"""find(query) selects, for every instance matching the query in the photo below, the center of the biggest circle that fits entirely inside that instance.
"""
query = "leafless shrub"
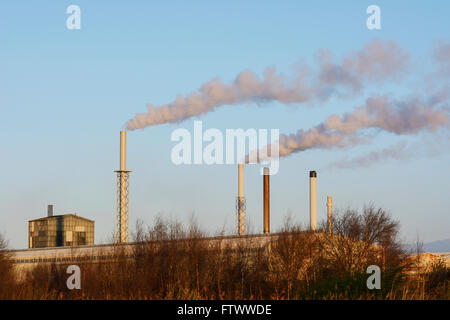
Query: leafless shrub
(171, 261)
(6, 270)
(359, 240)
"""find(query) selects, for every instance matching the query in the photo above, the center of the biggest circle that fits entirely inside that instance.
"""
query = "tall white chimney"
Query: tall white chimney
(312, 201)
(122, 230)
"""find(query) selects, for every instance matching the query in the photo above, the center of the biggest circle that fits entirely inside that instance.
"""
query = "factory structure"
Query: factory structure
(60, 231)
(240, 203)
(69, 231)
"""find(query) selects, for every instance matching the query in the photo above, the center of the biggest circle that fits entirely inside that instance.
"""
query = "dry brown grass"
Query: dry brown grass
(172, 262)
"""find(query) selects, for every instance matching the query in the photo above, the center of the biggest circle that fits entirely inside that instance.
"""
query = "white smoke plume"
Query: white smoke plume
(406, 117)
(441, 55)
(377, 61)
(429, 145)
(398, 151)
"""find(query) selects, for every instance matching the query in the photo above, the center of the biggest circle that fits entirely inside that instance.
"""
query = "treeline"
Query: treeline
(173, 262)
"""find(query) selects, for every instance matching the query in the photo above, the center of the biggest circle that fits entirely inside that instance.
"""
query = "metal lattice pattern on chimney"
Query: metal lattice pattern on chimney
(122, 234)
(240, 215)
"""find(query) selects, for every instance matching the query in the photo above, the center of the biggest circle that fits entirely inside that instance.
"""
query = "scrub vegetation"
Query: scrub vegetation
(171, 261)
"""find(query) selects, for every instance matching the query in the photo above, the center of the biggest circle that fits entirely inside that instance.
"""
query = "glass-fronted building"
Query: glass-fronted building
(60, 231)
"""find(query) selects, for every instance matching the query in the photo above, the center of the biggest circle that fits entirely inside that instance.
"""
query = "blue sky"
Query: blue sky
(66, 94)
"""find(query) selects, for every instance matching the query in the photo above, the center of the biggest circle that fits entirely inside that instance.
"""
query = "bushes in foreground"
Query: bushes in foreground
(172, 262)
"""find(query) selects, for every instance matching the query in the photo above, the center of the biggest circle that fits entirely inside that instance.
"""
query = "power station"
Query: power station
(72, 230)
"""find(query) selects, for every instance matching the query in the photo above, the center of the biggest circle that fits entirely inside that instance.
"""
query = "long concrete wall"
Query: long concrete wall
(29, 258)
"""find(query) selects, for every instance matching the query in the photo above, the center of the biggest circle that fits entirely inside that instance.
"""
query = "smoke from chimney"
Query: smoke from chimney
(376, 62)
(397, 151)
(406, 117)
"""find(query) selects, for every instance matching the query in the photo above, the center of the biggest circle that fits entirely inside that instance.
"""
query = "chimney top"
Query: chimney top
(50, 210)
(312, 174)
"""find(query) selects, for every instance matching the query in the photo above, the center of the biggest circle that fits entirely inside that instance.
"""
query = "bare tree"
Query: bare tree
(6, 271)
(362, 239)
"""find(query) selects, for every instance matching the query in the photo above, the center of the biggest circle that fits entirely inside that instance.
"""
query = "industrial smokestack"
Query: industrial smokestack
(330, 213)
(123, 150)
(312, 201)
(50, 210)
(122, 232)
(240, 201)
(240, 180)
(266, 191)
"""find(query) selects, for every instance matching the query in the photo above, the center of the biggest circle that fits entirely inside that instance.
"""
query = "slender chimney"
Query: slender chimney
(123, 150)
(240, 180)
(312, 201)
(240, 201)
(122, 232)
(330, 213)
(266, 191)
(50, 210)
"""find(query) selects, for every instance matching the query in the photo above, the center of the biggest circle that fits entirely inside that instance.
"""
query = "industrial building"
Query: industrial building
(70, 238)
(60, 231)
(72, 230)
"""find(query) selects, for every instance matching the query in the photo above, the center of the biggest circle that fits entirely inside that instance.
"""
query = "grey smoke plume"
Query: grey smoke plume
(406, 117)
(397, 151)
(377, 61)
(441, 54)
